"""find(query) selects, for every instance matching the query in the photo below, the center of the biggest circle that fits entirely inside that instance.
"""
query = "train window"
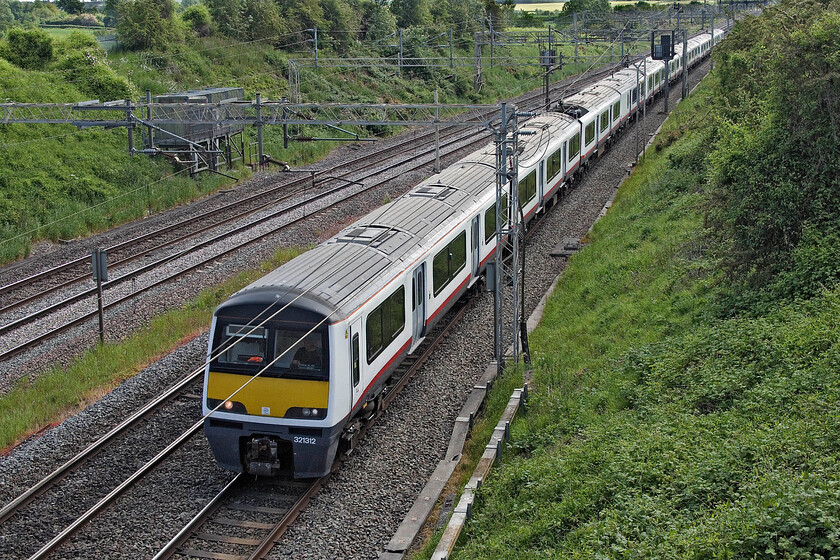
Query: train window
(385, 323)
(555, 163)
(449, 262)
(617, 110)
(490, 219)
(373, 329)
(574, 146)
(244, 344)
(605, 120)
(589, 133)
(528, 186)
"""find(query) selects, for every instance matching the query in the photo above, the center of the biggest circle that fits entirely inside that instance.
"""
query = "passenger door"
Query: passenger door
(355, 362)
(474, 243)
(418, 305)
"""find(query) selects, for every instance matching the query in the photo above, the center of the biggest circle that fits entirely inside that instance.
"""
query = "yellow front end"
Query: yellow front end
(267, 396)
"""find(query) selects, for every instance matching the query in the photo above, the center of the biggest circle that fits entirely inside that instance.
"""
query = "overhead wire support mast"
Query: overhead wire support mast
(507, 263)
(257, 113)
(119, 114)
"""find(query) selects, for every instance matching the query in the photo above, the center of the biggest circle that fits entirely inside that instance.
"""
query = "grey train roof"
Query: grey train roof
(348, 269)
(543, 129)
(593, 97)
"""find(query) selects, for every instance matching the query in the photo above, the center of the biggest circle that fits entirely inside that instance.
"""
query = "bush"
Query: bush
(776, 170)
(85, 20)
(28, 48)
(85, 63)
(198, 18)
(148, 24)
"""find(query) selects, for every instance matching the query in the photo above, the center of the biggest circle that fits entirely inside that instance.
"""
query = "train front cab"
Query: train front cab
(282, 421)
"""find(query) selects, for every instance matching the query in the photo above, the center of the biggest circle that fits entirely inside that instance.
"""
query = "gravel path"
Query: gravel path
(359, 509)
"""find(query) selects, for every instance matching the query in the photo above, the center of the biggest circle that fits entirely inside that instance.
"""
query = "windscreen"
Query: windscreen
(283, 349)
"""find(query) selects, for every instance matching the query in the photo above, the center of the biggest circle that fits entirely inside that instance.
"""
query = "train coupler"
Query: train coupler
(262, 458)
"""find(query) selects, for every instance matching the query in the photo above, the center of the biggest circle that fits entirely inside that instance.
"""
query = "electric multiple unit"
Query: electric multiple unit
(297, 356)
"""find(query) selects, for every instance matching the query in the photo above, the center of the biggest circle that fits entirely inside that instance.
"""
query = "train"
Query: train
(297, 357)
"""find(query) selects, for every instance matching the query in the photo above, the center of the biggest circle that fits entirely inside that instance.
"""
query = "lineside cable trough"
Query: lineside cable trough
(425, 503)
(492, 454)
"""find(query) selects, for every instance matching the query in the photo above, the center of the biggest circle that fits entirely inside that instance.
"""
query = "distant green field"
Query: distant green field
(557, 6)
(62, 32)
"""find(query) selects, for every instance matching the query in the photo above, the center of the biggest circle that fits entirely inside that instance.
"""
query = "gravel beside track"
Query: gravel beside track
(357, 512)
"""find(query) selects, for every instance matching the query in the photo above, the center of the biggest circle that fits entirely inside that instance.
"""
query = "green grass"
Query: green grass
(655, 429)
(63, 32)
(52, 395)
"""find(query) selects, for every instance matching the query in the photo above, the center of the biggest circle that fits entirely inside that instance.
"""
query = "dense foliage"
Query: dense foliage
(687, 384)
(14, 13)
(60, 183)
(148, 25)
(775, 174)
(28, 48)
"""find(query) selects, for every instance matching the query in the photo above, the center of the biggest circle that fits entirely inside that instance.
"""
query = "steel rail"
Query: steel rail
(92, 450)
(90, 292)
(175, 545)
(171, 548)
(115, 493)
(368, 162)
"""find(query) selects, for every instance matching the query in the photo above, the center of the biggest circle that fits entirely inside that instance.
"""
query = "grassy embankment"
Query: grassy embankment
(681, 408)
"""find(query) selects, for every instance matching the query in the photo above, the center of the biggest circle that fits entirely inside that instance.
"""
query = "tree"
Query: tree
(600, 6)
(377, 21)
(28, 48)
(112, 12)
(198, 18)
(71, 6)
(262, 19)
(148, 24)
(228, 15)
(340, 19)
(7, 18)
(411, 12)
(300, 15)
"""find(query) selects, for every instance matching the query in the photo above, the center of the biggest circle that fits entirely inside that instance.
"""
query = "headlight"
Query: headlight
(306, 412)
(226, 406)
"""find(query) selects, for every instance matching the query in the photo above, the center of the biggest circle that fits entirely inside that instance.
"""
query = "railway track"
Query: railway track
(76, 525)
(244, 506)
(293, 212)
(46, 302)
(244, 520)
(36, 297)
